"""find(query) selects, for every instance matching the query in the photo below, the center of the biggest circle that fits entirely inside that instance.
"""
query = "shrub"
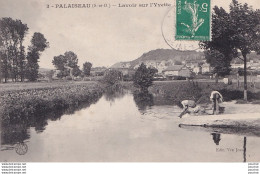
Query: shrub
(143, 77)
(112, 77)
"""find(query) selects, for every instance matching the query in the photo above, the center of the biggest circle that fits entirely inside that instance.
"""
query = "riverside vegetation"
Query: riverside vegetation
(26, 101)
(173, 92)
(29, 102)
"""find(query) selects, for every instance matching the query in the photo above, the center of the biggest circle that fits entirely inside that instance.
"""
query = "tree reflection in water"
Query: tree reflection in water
(13, 137)
(15, 132)
(216, 139)
(114, 92)
(143, 100)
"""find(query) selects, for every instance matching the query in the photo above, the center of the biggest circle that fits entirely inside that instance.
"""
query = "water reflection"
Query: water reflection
(143, 100)
(216, 138)
(13, 137)
(114, 92)
(244, 152)
(15, 132)
(121, 132)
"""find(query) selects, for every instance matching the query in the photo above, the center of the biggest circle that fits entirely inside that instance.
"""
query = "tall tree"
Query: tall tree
(38, 45)
(12, 33)
(246, 23)
(236, 31)
(86, 68)
(6, 45)
(22, 30)
(219, 62)
(71, 59)
(13, 50)
(66, 63)
(4, 66)
(76, 71)
(59, 62)
(1, 67)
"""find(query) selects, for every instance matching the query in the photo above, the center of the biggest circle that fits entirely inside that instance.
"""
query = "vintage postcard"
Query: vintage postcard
(129, 81)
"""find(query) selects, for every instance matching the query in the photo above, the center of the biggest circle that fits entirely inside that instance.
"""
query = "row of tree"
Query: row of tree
(15, 62)
(67, 64)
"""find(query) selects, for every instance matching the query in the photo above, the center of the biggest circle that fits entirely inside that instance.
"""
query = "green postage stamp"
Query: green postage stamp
(193, 20)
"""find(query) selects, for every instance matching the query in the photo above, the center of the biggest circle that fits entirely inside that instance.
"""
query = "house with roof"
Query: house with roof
(176, 71)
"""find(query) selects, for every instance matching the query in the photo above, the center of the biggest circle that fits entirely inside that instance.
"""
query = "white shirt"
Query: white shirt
(216, 92)
(189, 103)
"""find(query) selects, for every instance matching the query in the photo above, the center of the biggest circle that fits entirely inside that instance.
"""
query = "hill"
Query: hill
(163, 55)
(163, 58)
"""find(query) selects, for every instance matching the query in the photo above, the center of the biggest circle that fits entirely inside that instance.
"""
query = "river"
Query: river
(122, 128)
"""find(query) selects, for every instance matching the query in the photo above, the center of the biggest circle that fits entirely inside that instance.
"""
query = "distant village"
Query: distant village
(169, 69)
(170, 65)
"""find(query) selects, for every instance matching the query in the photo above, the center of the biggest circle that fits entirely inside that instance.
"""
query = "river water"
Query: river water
(122, 128)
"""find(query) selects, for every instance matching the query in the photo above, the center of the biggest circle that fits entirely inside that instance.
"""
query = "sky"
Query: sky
(102, 36)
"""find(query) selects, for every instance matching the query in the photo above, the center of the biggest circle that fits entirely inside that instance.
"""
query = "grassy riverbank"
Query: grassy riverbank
(25, 100)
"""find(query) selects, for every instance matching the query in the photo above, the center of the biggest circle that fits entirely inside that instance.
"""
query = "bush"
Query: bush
(143, 77)
(143, 100)
(112, 77)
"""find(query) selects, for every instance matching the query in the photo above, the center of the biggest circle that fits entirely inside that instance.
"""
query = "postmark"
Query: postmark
(193, 20)
(168, 28)
(185, 41)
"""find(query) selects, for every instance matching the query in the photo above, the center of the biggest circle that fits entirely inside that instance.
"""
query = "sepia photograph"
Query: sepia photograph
(130, 81)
